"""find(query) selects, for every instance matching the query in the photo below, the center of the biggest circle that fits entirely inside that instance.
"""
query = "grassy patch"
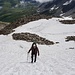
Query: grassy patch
(16, 13)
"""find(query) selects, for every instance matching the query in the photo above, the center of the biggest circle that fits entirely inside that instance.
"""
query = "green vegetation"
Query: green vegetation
(13, 2)
(13, 14)
(10, 13)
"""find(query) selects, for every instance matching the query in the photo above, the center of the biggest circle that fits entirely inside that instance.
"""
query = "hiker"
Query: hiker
(34, 50)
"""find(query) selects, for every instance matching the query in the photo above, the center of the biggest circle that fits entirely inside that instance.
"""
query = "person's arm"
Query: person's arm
(30, 50)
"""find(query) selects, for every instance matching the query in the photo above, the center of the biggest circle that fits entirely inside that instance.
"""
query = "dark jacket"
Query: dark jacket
(34, 50)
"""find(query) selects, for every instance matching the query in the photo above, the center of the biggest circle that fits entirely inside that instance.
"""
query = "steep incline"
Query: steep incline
(57, 59)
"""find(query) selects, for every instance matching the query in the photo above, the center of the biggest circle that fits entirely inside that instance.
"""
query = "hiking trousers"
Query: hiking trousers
(33, 58)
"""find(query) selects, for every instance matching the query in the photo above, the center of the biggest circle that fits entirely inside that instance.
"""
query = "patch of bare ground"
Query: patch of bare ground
(67, 21)
(70, 38)
(3, 24)
(31, 38)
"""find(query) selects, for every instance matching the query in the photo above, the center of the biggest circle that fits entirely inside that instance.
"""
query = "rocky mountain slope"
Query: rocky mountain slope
(58, 8)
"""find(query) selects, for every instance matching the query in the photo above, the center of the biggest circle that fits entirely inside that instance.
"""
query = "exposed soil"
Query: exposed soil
(3, 24)
(32, 38)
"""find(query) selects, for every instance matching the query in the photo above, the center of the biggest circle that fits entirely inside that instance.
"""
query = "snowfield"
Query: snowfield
(57, 59)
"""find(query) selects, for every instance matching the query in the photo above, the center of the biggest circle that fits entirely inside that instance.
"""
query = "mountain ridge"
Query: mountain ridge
(58, 8)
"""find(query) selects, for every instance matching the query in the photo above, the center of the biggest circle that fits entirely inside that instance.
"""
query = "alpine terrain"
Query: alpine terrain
(57, 58)
(58, 8)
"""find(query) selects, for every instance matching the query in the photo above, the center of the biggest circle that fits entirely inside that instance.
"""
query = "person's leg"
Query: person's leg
(32, 58)
(35, 58)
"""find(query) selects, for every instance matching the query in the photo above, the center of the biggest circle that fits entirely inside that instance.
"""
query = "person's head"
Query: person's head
(34, 45)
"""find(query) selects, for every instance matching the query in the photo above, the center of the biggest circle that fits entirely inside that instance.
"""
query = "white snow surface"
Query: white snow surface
(68, 2)
(57, 59)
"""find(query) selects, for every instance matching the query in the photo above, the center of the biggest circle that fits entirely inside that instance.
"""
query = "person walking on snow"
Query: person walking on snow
(34, 50)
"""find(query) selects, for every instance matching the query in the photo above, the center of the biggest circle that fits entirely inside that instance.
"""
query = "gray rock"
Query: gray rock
(32, 38)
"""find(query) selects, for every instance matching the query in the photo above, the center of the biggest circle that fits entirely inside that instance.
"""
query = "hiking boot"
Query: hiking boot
(31, 61)
(34, 61)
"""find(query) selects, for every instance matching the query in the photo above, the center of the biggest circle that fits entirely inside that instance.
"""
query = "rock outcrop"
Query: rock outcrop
(32, 38)
(67, 21)
(70, 38)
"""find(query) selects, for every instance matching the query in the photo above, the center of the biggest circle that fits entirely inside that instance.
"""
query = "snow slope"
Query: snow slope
(57, 59)
(68, 2)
